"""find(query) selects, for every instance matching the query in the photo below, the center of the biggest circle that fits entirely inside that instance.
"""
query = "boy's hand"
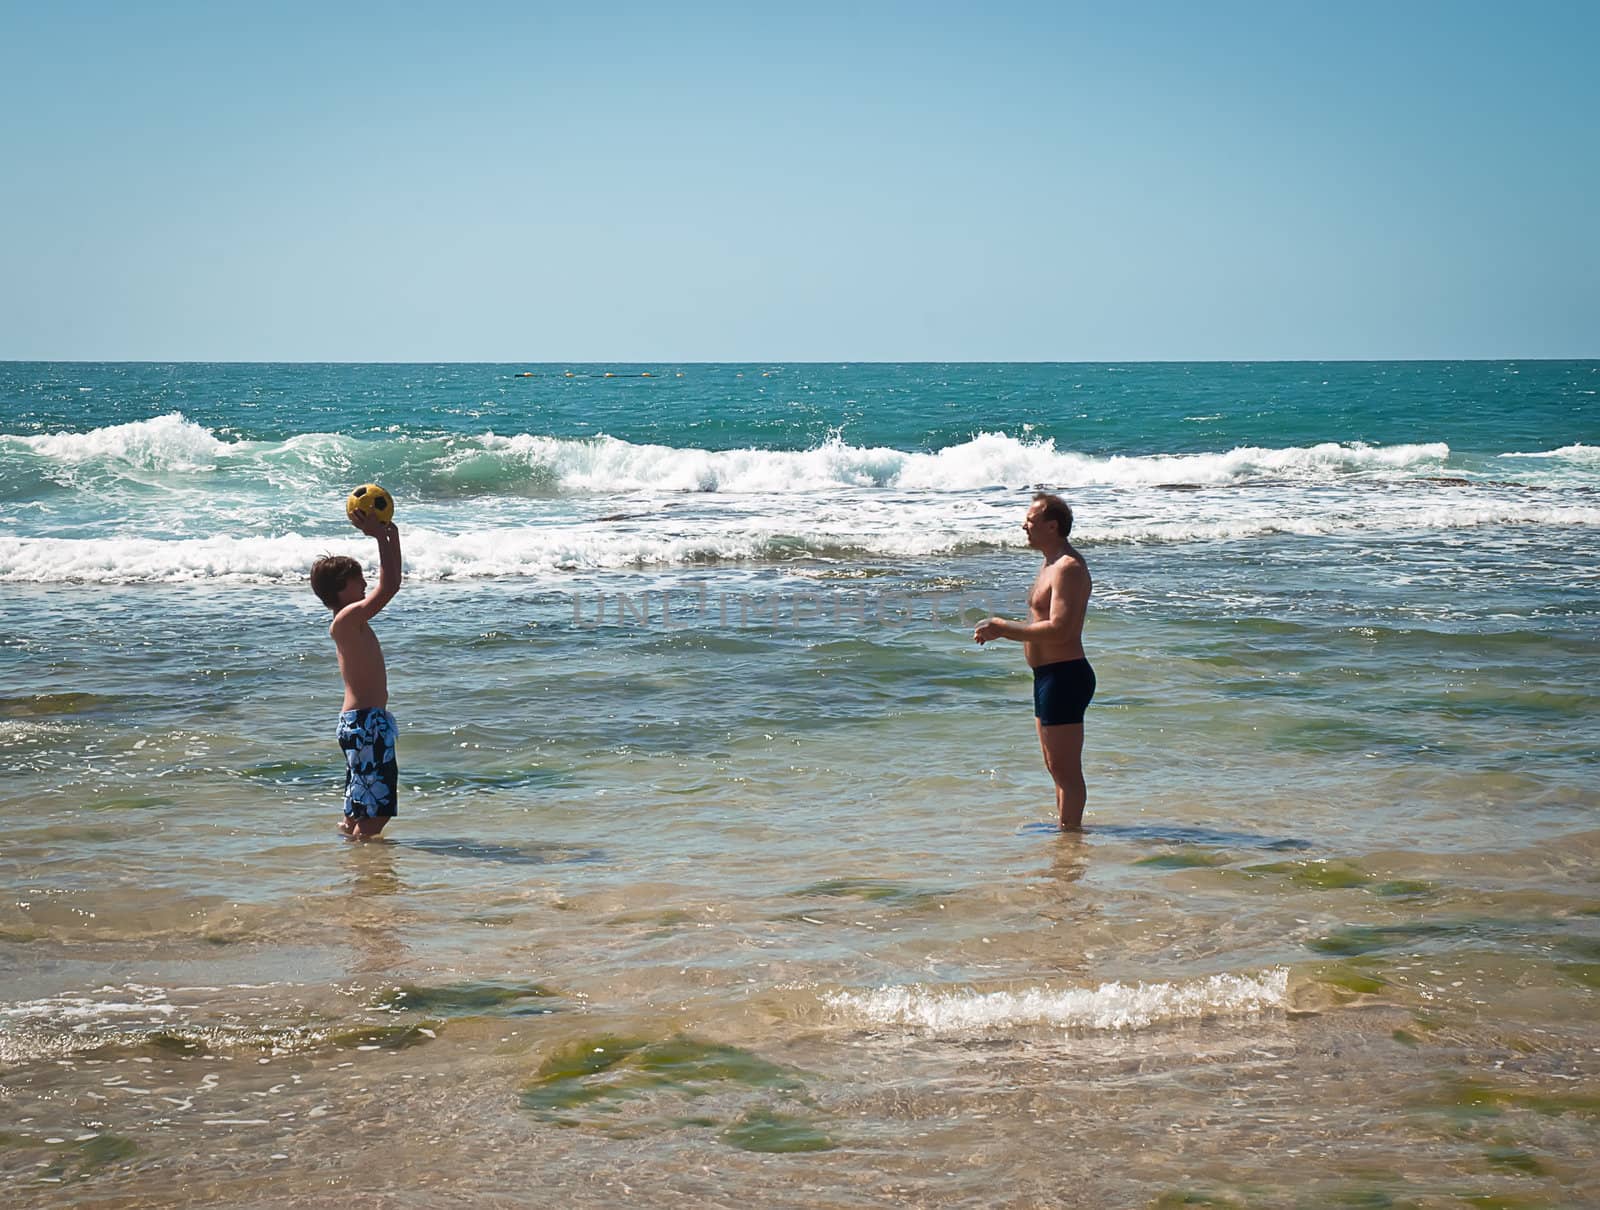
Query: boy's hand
(372, 527)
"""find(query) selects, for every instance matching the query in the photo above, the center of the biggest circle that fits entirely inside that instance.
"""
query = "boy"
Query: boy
(366, 728)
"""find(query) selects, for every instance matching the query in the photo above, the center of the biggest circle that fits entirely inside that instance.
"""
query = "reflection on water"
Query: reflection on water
(374, 909)
(1069, 861)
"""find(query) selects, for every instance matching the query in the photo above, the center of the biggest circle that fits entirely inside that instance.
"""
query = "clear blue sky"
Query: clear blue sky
(521, 182)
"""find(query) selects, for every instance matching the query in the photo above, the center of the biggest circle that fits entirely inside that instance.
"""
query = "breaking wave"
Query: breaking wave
(1111, 1006)
(173, 447)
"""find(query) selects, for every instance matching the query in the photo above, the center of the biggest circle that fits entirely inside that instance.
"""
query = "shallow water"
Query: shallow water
(762, 904)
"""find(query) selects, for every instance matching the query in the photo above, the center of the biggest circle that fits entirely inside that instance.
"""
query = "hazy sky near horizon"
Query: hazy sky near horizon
(522, 182)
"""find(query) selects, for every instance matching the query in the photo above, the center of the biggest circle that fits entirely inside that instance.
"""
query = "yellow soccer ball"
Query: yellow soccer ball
(371, 499)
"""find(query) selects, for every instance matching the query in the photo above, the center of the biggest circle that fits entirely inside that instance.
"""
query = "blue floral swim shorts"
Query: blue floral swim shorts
(372, 778)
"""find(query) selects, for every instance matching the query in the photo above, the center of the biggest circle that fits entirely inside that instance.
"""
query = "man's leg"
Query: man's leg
(1063, 757)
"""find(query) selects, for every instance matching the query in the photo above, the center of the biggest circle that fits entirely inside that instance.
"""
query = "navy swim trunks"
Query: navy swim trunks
(372, 775)
(1061, 692)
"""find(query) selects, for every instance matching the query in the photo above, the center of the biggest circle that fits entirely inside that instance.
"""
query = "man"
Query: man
(1052, 643)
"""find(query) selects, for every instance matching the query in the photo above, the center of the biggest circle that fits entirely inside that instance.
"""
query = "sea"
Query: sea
(724, 872)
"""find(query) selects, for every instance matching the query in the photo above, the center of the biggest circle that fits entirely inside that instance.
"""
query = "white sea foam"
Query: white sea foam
(103, 1004)
(64, 1025)
(966, 1013)
(840, 529)
(18, 730)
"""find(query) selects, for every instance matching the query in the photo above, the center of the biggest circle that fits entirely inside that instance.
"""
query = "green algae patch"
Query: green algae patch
(1346, 977)
(1317, 875)
(665, 919)
(128, 802)
(1403, 888)
(567, 1078)
(664, 923)
(588, 1057)
(388, 1037)
(1367, 939)
(601, 1075)
(871, 890)
(1367, 1199)
(1586, 974)
(1177, 1198)
(471, 1000)
(1466, 1099)
(1184, 859)
(1514, 1159)
(642, 1128)
(765, 1130)
(84, 1157)
(104, 1149)
(684, 1061)
(52, 705)
(1406, 1038)
(163, 1042)
(1364, 1197)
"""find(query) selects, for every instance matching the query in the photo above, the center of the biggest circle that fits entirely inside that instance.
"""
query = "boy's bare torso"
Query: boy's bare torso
(366, 680)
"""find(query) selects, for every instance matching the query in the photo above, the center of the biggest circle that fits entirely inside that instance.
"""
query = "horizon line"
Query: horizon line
(832, 361)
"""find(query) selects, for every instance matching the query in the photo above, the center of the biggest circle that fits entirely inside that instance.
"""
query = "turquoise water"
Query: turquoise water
(721, 846)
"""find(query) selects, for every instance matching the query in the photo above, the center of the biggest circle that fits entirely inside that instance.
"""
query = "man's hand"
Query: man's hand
(994, 628)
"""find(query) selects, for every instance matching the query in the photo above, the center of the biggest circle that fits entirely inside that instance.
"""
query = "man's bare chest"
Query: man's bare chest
(1039, 597)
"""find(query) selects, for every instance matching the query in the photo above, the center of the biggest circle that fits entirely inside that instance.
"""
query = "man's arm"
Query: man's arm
(1069, 598)
(388, 538)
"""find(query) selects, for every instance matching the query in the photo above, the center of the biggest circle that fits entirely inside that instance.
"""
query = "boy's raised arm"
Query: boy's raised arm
(388, 538)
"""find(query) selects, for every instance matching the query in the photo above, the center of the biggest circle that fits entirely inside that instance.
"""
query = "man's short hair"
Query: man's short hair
(1055, 509)
(329, 575)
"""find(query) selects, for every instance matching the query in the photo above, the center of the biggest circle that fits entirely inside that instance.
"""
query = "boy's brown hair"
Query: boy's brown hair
(328, 576)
